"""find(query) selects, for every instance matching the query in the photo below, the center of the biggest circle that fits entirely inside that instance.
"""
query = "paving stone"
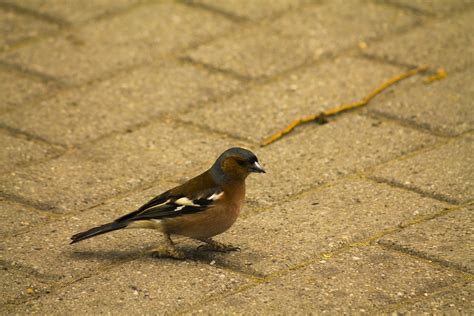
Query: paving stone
(18, 89)
(263, 110)
(15, 28)
(253, 9)
(445, 172)
(305, 225)
(16, 285)
(448, 239)
(17, 218)
(357, 281)
(457, 300)
(265, 247)
(51, 255)
(253, 52)
(437, 7)
(443, 106)
(18, 151)
(83, 178)
(440, 44)
(319, 221)
(74, 11)
(146, 286)
(89, 112)
(140, 35)
(300, 36)
(316, 154)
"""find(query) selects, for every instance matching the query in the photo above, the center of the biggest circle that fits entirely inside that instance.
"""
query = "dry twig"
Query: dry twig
(321, 117)
(439, 75)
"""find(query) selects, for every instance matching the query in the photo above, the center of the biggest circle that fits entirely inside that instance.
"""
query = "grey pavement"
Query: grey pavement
(105, 104)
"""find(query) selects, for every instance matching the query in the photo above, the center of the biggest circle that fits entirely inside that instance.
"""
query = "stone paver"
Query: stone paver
(264, 110)
(320, 221)
(360, 280)
(83, 178)
(321, 153)
(442, 106)
(73, 11)
(438, 7)
(65, 262)
(17, 218)
(18, 89)
(18, 151)
(299, 37)
(144, 285)
(15, 28)
(449, 239)
(138, 36)
(86, 113)
(253, 9)
(105, 104)
(446, 172)
(459, 300)
(17, 285)
(441, 44)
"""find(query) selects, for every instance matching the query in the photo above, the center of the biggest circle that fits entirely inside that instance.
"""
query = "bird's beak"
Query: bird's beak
(256, 168)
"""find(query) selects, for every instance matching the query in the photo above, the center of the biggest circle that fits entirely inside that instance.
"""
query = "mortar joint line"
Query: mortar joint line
(404, 7)
(216, 70)
(427, 258)
(32, 13)
(209, 8)
(375, 113)
(47, 79)
(31, 137)
(391, 308)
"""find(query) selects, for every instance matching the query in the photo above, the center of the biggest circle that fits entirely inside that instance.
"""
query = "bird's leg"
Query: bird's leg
(216, 246)
(168, 250)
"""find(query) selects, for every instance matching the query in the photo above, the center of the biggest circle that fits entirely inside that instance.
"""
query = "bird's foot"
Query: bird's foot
(167, 252)
(212, 245)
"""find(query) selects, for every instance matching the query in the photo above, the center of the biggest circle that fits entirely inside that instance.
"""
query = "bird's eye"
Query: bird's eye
(241, 163)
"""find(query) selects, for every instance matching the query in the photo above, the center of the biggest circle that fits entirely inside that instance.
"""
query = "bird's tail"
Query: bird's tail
(98, 231)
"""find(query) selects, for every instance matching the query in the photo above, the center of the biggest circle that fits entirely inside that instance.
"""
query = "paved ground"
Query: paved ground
(106, 103)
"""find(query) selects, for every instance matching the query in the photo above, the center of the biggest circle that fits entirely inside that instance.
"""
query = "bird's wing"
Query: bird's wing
(168, 205)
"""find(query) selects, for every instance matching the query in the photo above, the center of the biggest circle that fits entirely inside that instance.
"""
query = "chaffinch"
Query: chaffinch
(201, 208)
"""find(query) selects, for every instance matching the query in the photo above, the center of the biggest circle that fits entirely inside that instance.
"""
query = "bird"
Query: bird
(201, 208)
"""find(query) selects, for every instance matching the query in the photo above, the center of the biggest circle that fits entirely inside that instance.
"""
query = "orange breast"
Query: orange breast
(211, 222)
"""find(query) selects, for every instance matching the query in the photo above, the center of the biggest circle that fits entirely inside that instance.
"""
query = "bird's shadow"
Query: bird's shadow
(228, 261)
(109, 255)
(104, 255)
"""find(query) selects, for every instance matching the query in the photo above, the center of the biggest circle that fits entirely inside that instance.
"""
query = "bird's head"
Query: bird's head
(236, 163)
